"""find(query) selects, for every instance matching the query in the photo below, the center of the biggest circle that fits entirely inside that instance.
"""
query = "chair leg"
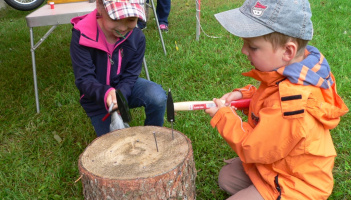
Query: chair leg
(158, 26)
(146, 71)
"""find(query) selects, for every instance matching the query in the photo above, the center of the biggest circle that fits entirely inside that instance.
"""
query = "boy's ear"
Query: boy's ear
(290, 51)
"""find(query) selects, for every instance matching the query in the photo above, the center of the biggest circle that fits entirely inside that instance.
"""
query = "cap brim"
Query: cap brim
(240, 25)
(119, 10)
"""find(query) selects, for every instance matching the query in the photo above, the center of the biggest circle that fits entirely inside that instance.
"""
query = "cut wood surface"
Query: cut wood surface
(144, 162)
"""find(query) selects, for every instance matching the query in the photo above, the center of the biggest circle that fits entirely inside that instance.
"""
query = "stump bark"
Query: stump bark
(144, 162)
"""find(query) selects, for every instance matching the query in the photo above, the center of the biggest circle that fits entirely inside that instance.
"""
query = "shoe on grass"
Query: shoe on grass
(164, 27)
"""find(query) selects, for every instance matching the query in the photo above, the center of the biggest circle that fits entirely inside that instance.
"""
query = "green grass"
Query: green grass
(34, 165)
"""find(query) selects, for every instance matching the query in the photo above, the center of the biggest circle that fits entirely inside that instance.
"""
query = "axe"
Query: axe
(122, 107)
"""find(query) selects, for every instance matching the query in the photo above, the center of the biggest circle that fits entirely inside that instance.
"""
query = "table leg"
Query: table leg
(32, 49)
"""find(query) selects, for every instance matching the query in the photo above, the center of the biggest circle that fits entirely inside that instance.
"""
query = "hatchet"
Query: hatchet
(122, 107)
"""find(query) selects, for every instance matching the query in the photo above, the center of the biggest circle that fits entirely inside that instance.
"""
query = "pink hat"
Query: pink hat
(119, 9)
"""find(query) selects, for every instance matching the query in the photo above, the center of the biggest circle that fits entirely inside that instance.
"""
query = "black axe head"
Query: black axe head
(123, 107)
(170, 107)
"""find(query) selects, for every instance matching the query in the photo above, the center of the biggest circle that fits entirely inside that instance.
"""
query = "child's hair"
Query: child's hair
(100, 5)
(279, 39)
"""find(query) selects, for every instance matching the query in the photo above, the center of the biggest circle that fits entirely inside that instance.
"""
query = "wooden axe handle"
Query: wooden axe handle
(201, 105)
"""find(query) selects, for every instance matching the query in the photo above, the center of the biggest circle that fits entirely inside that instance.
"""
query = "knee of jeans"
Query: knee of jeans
(159, 100)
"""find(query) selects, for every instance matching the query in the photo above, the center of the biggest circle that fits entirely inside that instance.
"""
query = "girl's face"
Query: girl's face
(114, 29)
(262, 55)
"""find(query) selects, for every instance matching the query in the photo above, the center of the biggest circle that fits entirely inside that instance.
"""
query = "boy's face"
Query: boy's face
(262, 55)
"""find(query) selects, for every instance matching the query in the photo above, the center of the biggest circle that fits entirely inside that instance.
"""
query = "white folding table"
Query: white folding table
(45, 16)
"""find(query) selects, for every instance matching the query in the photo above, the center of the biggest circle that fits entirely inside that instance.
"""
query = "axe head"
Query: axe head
(170, 107)
(123, 107)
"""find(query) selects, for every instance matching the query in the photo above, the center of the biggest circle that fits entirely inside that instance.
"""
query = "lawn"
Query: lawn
(39, 152)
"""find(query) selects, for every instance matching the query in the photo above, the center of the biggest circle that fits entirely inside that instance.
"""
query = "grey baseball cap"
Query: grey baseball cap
(260, 17)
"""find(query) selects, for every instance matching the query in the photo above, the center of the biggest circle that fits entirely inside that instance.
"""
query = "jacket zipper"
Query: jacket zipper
(111, 61)
(120, 54)
(109, 66)
(277, 186)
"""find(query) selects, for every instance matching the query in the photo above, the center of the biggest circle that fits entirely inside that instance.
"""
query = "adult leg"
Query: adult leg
(163, 9)
(151, 96)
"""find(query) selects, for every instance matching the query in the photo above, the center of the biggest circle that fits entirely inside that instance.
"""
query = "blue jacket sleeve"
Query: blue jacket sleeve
(84, 71)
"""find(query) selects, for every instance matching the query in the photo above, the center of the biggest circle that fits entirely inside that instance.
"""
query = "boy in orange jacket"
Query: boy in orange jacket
(285, 149)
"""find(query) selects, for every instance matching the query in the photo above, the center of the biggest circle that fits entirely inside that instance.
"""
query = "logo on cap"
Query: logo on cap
(258, 9)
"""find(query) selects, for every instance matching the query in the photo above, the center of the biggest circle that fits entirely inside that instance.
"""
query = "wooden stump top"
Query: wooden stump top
(131, 153)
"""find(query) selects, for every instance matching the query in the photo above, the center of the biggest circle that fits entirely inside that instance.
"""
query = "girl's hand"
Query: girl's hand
(111, 98)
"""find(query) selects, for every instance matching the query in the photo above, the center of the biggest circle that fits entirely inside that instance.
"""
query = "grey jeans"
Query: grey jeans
(233, 179)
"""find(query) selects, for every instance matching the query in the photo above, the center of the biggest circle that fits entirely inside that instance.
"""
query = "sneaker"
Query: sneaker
(164, 27)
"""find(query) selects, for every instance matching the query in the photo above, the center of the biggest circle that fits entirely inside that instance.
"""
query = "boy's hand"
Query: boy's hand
(213, 111)
(111, 97)
(229, 97)
(232, 96)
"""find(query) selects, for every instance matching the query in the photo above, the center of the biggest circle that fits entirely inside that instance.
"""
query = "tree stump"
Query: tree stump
(144, 162)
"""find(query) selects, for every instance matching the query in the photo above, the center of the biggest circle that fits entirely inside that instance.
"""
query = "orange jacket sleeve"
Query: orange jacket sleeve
(271, 140)
(247, 91)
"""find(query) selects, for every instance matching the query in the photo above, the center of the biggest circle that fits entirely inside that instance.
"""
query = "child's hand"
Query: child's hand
(111, 97)
(229, 97)
(212, 111)
(232, 96)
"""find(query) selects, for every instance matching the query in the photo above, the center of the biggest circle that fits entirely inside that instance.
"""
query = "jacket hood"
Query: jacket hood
(329, 109)
(86, 24)
(313, 70)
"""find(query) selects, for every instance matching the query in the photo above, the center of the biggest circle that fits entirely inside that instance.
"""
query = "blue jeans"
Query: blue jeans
(144, 93)
(163, 8)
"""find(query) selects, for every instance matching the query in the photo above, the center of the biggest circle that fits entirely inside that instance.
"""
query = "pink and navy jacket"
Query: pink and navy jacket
(96, 70)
